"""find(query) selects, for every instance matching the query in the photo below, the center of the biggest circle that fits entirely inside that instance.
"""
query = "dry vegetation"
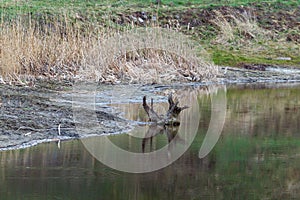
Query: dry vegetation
(239, 28)
(87, 44)
(241, 32)
(40, 51)
(60, 49)
(148, 55)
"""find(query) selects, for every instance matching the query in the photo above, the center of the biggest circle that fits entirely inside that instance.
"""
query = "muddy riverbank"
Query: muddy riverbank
(31, 115)
(44, 112)
(259, 74)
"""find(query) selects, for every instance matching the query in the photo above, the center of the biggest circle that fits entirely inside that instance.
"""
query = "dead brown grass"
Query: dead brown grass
(150, 55)
(241, 32)
(50, 51)
(239, 29)
(60, 49)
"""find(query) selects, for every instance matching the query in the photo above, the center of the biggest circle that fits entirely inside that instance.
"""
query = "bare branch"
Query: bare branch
(151, 103)
(145, 106)
(171, 115)
(174, 110)
(153, 116)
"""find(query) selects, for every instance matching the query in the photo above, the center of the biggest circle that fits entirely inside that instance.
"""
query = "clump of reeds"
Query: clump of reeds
(149, 55)
(238, 28)
(240, 31)
(60, 48)
(49, 50)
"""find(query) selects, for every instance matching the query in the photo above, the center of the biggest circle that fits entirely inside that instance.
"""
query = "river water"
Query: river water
(256, 155)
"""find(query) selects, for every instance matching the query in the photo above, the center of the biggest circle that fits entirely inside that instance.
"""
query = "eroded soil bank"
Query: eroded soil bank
(44, 112)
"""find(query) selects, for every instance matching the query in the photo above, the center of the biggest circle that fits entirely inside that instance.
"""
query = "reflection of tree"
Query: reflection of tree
(154, 129)
(263, 111)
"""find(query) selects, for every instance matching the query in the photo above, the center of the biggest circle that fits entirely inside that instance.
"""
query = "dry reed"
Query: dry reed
(59, 49)
(50, 50)
(239, 29)
(149, 55)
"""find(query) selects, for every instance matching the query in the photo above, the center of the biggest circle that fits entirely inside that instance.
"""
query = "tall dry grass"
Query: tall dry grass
(150, 55)
(241, 32)
(239, 28)
(48, 50)
(60, 48)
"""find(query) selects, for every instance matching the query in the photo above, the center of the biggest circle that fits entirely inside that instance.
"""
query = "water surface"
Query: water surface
(256, 157)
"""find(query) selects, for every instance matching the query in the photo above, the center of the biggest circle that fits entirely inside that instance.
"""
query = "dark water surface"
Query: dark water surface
(256, 157)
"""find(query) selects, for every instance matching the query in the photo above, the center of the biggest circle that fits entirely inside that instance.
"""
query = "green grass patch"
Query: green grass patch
(234, 58)
(56, 6)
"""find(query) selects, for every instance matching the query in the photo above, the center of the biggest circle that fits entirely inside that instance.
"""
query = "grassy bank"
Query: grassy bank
(62, 38)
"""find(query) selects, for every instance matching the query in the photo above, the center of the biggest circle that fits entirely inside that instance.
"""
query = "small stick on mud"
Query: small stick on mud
(59, 129)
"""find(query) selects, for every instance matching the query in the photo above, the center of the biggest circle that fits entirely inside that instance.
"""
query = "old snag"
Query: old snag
(170, 118)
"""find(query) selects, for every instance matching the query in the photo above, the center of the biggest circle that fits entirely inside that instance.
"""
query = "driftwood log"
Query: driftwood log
(170, 118)
(161, 124)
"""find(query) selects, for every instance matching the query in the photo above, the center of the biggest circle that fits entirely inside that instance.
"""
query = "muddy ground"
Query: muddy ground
(41, 113)
(30, 115)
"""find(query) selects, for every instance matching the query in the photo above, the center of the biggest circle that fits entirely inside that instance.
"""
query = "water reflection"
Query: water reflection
(264, 111)
(128, 160)
(169, 131)
(257, 157)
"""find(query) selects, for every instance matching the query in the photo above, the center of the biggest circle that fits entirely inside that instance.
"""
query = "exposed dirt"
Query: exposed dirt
(260, 67)
(259, 74)
(30, 115)
(285, 20)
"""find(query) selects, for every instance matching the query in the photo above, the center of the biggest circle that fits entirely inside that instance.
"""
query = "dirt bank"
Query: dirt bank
(259, 73)
(30, 115)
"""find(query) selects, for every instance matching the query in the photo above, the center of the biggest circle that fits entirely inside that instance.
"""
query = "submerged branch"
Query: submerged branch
(153, 116)
(171, 116)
